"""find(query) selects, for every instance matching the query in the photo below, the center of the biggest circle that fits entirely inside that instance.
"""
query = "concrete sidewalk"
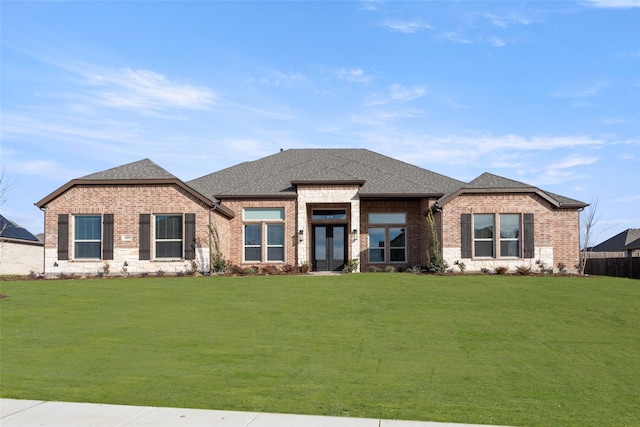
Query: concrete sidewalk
(25, 413)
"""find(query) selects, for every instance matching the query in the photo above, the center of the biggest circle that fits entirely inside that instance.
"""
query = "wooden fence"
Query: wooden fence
(617, 267)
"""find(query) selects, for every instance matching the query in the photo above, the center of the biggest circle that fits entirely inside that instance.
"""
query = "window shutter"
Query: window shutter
(63, 237)
(144, 252)
(465, 235)
(190, 236)
(107, 236)
(529, 244)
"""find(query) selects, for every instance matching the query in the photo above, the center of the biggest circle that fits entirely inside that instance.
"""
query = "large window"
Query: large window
(510, 235)
(168, 237)
(387, 243)
(261, 222)
(87, 236)
(483, 235)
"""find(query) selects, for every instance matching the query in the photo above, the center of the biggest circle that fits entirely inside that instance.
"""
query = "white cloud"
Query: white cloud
(408, 27)
(497, 42)
(613, 4)
(400, 93)
(582, 92)
(145, 91)
(354, 75)
(504, 21)
(454, 36)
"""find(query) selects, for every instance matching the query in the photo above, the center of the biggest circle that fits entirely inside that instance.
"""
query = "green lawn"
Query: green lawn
(534, 351)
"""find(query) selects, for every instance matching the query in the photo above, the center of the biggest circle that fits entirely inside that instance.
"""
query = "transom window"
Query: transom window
(388, 243)
(87, 236)
(261, 222)
(329, 214)
(168, 236)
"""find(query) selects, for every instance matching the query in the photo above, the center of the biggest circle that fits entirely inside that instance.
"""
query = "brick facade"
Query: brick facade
(126, 203)
(556, 231)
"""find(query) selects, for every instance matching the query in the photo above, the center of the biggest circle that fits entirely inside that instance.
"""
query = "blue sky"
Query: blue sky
(544, 92)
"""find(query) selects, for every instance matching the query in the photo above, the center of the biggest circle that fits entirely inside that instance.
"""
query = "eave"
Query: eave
(554, 202)
(135, 182)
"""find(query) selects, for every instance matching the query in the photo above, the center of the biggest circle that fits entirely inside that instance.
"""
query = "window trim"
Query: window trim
(387, 224)
(75, 240)
(156, 240)
(510, 239)
(491, 239)
(268, 220)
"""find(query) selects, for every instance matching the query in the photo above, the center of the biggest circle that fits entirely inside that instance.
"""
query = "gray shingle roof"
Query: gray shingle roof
(142, 169)
(489, 180)
(273, 175)
(628, 239)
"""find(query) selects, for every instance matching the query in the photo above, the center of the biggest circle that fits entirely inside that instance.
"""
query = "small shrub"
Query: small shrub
(390, 269)
(305, 267)
(373, 269)
(461, 265)
(160, 273)
(416, 269)
(351, 265)
(524, 270)
(544, 269)
(562, 268)
(501, 269)
(269, 270)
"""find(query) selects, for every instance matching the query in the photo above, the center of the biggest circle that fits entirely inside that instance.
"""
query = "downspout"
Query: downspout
(44, 237)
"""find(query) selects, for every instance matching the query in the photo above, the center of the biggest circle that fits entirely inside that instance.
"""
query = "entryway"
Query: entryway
(329, 247)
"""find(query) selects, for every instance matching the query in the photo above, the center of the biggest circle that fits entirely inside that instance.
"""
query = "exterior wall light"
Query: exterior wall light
(300, 235)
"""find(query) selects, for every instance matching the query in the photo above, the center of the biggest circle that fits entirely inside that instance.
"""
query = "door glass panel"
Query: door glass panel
(338, 243)
(321, 243)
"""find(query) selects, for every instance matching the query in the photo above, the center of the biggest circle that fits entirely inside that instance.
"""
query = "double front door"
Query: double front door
(329, 247)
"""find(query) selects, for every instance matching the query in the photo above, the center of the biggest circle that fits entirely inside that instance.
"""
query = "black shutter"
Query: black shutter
(529, 244)
(144, 252)
(190, 236)
(63, 237)
(465, 235)
(107, 236)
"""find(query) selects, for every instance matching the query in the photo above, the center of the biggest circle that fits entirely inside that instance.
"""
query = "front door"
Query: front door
(329, 247)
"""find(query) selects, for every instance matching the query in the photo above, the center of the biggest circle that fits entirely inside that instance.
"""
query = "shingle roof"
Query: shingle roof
(142, 169)
(274, 175)
(489, 180)
(628, 239)
(11, 230)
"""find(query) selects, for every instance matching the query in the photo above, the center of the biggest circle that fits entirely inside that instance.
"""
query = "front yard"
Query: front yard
(510, 350)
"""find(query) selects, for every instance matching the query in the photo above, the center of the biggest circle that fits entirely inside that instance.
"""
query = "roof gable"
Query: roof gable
(490, 183)
(142, 169)
(276, 175)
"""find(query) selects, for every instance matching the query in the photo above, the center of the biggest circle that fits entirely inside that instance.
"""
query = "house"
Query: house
(627, 241)
(323, 207)
(20, 251)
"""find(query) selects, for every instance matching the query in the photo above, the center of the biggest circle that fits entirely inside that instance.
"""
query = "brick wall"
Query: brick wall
(234, 233)
(126, 203)
(556, 231)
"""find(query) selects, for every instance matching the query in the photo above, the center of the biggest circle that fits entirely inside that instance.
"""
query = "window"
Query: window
(387, 243)
(329, 214)
(87, 236)
(509, 235)
(168, 237)
(483, 235)
(261, 222)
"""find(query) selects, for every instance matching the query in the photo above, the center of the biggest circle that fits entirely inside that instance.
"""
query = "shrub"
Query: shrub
(524, 270)
(390, 269)
(562, 268)
(501, 269)
(461, 265)
(373, 269)
(351, 266)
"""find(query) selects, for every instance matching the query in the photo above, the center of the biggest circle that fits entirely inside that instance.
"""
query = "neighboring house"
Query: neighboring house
(20, 251)
(627, 242)
(317, 206)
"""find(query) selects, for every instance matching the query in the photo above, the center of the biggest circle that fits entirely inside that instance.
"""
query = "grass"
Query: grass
(534, 351)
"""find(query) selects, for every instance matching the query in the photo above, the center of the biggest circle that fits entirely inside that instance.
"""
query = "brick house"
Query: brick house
(317, 206)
